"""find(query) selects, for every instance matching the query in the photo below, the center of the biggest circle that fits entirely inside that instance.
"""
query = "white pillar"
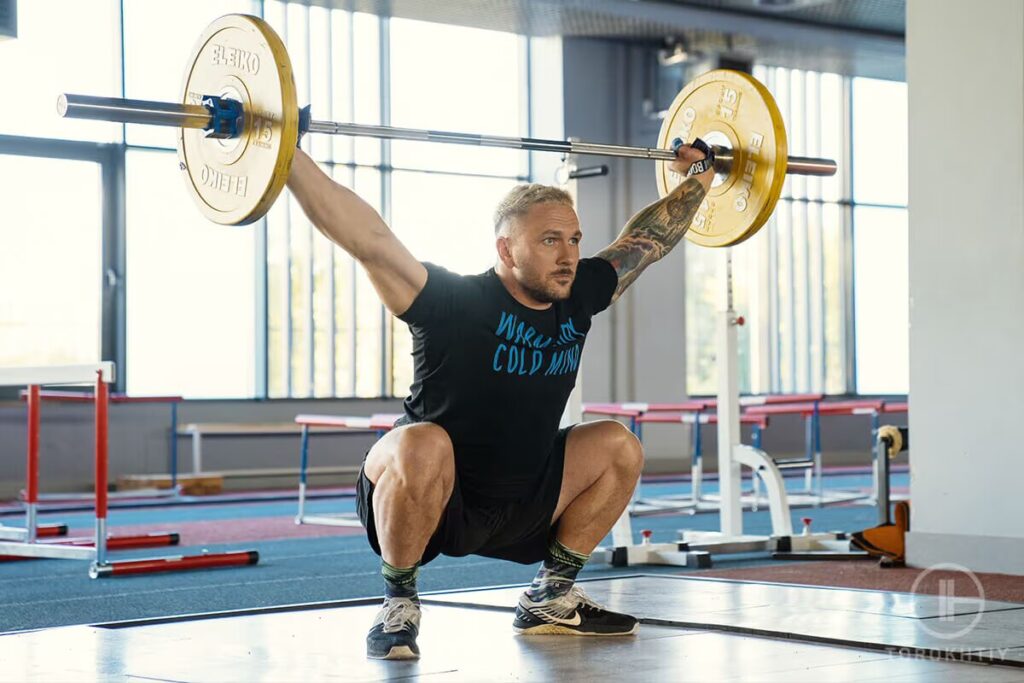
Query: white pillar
(965, 78)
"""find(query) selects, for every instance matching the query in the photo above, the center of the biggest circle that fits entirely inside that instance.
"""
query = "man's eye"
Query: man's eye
(549, 240)
(574, 240)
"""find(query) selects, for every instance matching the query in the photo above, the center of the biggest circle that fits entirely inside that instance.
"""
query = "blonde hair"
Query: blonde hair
(522, 198)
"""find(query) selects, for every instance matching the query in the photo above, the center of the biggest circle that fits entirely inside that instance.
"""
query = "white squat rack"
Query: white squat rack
(695, 548)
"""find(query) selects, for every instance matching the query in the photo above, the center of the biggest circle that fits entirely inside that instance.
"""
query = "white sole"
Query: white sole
(556, 630)
(398, 652)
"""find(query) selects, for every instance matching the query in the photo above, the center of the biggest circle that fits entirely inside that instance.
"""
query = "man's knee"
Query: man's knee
(423, 458)
(627, 453)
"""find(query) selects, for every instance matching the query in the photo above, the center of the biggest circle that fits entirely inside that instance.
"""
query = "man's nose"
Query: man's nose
(567, 254)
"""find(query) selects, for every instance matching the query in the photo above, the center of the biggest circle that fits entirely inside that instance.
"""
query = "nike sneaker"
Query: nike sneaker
(573, 613)
(394, 631)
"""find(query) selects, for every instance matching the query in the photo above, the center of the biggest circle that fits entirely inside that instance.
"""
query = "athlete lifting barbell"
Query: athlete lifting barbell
(458, 476)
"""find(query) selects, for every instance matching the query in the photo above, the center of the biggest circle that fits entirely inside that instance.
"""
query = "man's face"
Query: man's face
(543, 248)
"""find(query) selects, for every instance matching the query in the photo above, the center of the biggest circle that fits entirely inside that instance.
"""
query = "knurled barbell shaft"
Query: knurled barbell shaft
(198, 116)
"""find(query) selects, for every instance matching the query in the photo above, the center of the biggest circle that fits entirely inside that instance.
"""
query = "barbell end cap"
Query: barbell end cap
(227, 117)
(62, 105)
(304, 118)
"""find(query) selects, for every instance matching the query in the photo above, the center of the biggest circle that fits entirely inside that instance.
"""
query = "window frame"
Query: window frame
(110, 158)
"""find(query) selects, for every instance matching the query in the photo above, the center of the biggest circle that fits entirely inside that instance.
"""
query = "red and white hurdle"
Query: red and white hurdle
(79, 397)
(37, 541)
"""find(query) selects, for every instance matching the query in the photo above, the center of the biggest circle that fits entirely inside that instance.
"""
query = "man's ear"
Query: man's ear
(505, 251)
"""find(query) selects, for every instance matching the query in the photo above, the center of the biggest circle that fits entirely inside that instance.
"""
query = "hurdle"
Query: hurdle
(812, 414)
(28, 542)
(698, 412)
(635, 409)
(378, 424)
(59, 396)
(697, 501)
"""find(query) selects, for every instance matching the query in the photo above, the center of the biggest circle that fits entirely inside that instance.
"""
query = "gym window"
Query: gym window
(327, 333)
(823, 286)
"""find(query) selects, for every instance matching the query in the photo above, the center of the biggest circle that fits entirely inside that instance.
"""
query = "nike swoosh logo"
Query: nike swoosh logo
(575, 621)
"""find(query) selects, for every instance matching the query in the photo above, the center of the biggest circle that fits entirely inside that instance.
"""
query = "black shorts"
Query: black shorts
(518, 531)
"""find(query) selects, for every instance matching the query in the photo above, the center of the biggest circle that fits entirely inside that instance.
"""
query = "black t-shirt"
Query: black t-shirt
(495, 374)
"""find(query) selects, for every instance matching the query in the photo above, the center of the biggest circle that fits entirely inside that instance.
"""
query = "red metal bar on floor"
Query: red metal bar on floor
(172, 564)
(51, 530)
(157, 539)
(17, 558)
(154, 540)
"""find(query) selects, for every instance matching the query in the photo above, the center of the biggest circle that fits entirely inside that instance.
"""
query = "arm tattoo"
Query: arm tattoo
(652, 233)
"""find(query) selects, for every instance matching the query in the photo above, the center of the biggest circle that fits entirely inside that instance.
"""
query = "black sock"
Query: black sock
(400, 582)
(558, 572)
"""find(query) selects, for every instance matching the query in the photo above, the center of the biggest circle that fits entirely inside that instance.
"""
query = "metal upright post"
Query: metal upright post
(32, 472)
(881, 473)
(697, 460)
(730, 508)
(174, 447)
(303, 465)
(101, 399)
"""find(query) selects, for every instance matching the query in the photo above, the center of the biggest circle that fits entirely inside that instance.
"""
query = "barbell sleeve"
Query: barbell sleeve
(198, 116)
(133, 111)
(810, 166)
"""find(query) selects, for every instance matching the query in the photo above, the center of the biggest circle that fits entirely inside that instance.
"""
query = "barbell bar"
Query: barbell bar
(238, 125)
(198, 116)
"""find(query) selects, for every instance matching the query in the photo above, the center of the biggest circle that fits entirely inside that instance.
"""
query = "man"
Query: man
(479, 465)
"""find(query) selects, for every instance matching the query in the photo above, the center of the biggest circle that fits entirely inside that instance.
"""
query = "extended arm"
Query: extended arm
(652, 232)
(356, 227)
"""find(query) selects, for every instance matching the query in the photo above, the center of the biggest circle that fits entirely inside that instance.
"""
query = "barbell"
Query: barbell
(239, 124)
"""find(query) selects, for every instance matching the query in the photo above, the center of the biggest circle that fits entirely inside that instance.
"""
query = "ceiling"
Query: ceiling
(853, 37)
(886, 17)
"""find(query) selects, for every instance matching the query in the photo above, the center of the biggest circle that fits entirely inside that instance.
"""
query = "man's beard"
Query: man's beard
(538, 291)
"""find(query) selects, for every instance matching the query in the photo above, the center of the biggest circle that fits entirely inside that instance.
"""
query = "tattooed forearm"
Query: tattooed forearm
(652, 233)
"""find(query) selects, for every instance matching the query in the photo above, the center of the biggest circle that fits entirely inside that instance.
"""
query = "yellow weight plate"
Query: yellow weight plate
(235, 181)
(730, 109)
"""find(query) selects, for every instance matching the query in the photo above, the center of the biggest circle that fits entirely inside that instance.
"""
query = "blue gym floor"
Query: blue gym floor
(44, 593)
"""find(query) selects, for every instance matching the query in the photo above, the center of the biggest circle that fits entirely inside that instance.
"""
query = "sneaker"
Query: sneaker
(572, 614)
(394, 631)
